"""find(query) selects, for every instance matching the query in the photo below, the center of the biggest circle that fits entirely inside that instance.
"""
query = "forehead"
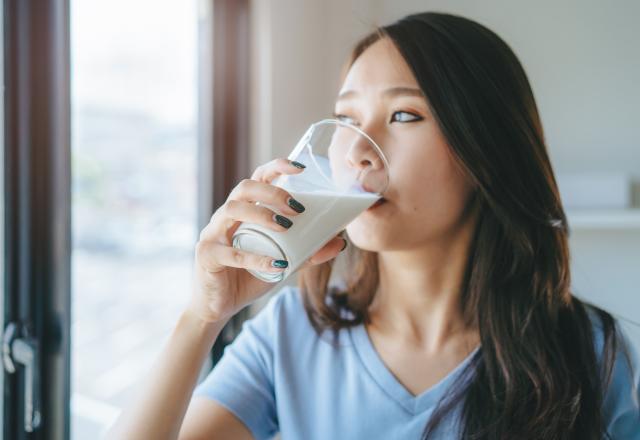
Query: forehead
(380, 66)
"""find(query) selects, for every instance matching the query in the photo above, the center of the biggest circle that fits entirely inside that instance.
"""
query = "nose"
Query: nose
(362, 154)
(370, 163)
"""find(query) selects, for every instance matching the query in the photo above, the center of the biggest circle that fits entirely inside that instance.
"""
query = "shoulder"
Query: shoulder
(621, 404)
(603, 323)
(284, 303)
(288, 323)
(282, 313)
(626, 353)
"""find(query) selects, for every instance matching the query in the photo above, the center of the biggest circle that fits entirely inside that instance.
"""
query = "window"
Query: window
(131, 83)
(134, 194)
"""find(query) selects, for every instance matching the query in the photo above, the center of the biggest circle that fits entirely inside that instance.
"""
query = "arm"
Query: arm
(159, 410)
(222, 287)
(207, 419)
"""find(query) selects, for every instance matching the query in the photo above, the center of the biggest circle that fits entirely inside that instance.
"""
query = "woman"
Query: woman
(456, 319)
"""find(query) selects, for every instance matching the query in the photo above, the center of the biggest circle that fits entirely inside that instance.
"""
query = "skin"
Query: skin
(422, 232)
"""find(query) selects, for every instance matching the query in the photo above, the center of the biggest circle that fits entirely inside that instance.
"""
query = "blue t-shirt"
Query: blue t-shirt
(278, 375)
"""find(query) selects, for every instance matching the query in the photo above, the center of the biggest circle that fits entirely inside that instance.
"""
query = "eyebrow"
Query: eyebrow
(390, 93)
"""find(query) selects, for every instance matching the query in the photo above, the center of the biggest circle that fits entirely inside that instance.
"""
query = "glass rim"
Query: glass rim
(378, 150)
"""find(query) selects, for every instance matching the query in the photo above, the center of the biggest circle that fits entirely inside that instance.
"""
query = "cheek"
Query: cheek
(429, 198)
(430, 186)
(422, 170)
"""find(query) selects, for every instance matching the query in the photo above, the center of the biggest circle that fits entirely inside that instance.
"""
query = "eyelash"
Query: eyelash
(418, 118)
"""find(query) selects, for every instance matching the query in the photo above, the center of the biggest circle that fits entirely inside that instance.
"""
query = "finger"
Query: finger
(279, 199)
(214, 257)
(228, 217)
(222, 225)
(329, 251)
(251, 190)
(270, 170)
(241, 211)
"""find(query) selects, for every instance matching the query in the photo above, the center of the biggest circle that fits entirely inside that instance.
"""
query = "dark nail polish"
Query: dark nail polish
(280, 263)
(344, 246)
(298, 165)
(283, 221)
(297, 206)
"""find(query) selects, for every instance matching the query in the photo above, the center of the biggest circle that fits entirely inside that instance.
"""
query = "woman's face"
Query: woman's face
(427, 193)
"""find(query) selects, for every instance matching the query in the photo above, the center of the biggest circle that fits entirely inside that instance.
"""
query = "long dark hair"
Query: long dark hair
(536, 375)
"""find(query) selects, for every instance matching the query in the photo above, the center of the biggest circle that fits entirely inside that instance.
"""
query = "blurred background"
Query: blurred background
(134, 107)
(140, 91)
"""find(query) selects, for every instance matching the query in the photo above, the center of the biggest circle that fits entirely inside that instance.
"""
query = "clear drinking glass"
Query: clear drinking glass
(346, 172)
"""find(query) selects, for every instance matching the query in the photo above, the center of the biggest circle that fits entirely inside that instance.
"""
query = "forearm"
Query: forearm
(159, 410)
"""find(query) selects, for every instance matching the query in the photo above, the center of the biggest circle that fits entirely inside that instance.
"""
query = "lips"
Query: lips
(381, 201)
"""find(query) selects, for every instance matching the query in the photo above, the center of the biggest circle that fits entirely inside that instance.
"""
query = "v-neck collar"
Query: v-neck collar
(390, 384)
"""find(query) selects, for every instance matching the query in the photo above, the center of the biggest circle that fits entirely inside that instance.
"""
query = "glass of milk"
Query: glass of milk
(346, 172)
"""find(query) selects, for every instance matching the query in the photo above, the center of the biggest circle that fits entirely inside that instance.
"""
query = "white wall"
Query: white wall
(299, 48)
(582, 61)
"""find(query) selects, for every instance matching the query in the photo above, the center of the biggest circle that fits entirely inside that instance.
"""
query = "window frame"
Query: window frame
(2, 207)
(37, 205)
(224, 119)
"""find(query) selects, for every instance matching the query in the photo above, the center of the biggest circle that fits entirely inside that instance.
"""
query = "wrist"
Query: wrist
(199, 309)
(196, 321)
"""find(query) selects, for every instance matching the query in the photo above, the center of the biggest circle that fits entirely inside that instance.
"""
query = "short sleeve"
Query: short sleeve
(242, 380)
(621, 406)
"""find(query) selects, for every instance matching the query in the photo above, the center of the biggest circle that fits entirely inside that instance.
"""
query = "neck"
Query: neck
(419, 295)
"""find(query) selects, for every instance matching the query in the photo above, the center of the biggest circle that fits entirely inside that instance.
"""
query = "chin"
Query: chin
(370, 237)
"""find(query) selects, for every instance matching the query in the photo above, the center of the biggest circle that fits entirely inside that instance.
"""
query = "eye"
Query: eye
(344, 118)
(405, 117)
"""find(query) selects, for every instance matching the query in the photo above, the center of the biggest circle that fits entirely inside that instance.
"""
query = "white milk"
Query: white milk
(326, 213)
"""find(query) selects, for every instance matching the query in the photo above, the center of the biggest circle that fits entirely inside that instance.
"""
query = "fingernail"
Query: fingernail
(298, 165)
(297, 206)
(282, 221)
(280, 263)
(344, 246)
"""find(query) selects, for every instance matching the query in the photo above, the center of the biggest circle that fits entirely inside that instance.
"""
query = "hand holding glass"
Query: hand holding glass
(346, 172)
